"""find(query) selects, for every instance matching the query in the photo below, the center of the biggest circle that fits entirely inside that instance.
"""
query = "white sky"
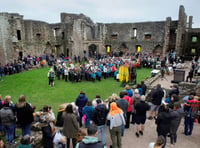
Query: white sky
(104, 11)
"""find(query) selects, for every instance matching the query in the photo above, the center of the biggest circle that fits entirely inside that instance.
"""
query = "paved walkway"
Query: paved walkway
(131, 141)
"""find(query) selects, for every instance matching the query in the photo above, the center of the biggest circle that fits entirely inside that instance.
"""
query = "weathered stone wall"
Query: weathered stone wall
(9, 44)
(76, 32)
(185, 88)
(124, 33)
(38, 39)
(181, 29)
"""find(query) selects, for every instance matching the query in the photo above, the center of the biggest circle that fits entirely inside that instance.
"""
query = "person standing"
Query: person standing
(99, 118)
(81, 101)
(163, 122)
(177, 115)
(157, 96)
(70, 126)
(190, 75)
(24, 115)
(116, 118)
(144, 88)
(123, 105)
(140, 116)
(47, 119)
(8, 121)
(129, 111)
(88, 111)
(51, 75)
(191, 108)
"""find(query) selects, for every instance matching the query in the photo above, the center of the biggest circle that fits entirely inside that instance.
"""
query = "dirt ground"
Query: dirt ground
(131, 141)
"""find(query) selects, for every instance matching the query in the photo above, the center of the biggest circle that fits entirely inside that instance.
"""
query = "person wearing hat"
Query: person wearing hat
(116, 118)
(140, 116)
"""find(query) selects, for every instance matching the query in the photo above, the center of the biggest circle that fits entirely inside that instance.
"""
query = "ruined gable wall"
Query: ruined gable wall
(82, 30)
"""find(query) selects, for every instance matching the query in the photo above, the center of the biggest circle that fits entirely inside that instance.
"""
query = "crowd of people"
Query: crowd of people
(129, 107)
(109, 66)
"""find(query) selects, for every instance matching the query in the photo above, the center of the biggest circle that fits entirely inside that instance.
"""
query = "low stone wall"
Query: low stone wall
(185, 88)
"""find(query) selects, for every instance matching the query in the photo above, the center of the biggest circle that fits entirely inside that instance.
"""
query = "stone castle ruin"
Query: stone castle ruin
(76, 34)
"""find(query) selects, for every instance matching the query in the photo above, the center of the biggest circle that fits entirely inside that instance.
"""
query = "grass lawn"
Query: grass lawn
(34, 84)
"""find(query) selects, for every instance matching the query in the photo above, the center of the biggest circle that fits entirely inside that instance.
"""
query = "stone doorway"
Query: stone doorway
(20, 55)
(92, 50)
(157, 50)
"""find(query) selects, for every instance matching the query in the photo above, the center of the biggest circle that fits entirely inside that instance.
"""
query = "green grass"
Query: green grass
(34, 84)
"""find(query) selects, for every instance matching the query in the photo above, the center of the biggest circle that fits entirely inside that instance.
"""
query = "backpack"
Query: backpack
(51, 74)
(101, 115)
(195, 113)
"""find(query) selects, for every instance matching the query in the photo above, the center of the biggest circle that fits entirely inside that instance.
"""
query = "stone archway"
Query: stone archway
(157, 50)
(92, 50)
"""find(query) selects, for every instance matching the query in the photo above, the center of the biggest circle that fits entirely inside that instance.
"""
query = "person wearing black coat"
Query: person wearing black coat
(163, 122)
(177, 115)
(24, 115)
(47, 137)
(144, 88)
(140, 117)
(174, 90)
(99, 117)
(157, 96)
(190, 75)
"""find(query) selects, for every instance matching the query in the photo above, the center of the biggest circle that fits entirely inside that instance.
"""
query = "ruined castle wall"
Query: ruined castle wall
(38, 39)
(125, 34)
(180, 30)
(4, 39)
(10, 24)
(82, 30)
(167, 35)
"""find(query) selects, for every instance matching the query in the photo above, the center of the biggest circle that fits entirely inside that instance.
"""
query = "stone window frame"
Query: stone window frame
(114, 36)
(19, 35)
(147, 36)
(194, 39)
(134, 33)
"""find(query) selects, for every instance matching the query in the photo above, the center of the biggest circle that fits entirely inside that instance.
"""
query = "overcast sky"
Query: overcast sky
(104, 11)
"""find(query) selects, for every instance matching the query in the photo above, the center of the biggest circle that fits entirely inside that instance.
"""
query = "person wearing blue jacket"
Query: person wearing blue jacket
(81, 101)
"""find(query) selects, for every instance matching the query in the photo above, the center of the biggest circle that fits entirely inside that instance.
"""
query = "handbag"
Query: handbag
(57, 137)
